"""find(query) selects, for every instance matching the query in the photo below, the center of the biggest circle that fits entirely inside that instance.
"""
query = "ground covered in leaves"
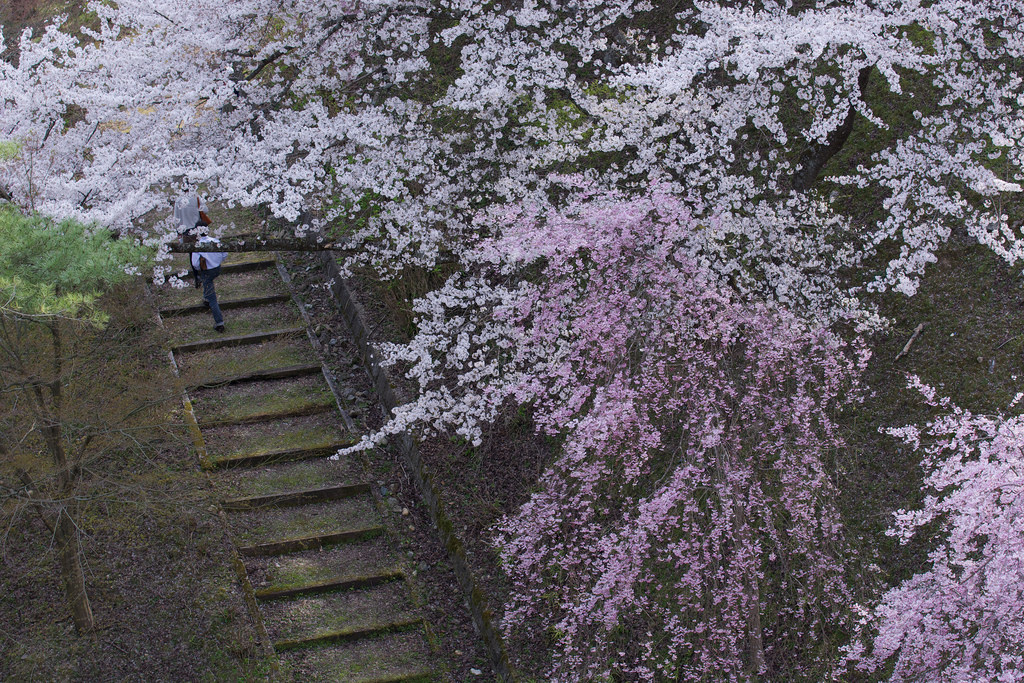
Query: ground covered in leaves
(157, 562)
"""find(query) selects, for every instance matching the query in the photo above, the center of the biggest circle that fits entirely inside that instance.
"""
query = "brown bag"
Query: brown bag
(204, 220)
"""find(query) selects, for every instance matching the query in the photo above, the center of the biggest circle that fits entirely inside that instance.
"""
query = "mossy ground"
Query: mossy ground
(157, 564)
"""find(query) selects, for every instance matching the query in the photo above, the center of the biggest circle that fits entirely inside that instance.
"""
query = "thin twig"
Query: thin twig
(1007, 341)
(917, 331)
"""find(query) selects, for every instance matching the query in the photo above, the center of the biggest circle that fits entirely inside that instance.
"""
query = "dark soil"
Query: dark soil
(18, 15)
(165, 600)
(972, 306)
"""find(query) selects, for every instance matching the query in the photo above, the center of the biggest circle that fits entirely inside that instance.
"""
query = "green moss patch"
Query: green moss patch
(368, 660)
(272, 525)
(250, 401)
(349, 562)
(202, 367)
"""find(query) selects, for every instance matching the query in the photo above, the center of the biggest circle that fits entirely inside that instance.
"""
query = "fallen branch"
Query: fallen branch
(917, 331)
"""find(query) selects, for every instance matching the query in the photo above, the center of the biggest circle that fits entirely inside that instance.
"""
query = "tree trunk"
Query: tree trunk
(815, 158)
(71, 573)
(755, 634)
(69, 547)
(745, 538)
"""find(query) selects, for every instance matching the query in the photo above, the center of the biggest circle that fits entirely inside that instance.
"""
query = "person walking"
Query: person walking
(206, 266)
(190, 212)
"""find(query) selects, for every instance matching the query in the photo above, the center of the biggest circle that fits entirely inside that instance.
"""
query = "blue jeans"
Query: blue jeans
(210, 294)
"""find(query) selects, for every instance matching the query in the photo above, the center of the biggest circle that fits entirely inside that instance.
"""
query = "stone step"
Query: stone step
(331, 585)
(349, 633)
(293, 432)
(361, 564)
(277, 530)
(341, 615)
(226, 341)
(292, 498)
(255, 418)
(403, 657)
(198, 326)
(298, 475)
(249, 459)
(239, 261)
(242, 285)
(241, 264)
(260, 401)
(309, 541)
(226, 305)
(203, 367)
(282, 372)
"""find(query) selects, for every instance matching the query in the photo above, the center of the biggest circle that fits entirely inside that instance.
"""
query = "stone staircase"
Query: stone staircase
(332, 598)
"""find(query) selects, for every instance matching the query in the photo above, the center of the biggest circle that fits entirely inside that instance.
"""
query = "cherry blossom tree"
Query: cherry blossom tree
(962, 618)
(688, 522)
(336, 113)
(675, 321)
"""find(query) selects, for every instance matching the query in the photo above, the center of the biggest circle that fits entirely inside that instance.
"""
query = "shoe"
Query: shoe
(219, 328)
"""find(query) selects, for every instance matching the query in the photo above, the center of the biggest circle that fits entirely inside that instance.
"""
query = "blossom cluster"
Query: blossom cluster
(688, 523)
(962, 618)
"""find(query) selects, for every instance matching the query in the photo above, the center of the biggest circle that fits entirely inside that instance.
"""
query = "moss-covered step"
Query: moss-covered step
(192, 327)
(389, 658)
(255, 376)
(229, 286)
(226, 341)
(225, 304)
(280, 455)
(257, 441)
(260, 401)
(342, 615)
(208, 367)
(292, 498)
(355, 565)
(291, 476)
(280, 530)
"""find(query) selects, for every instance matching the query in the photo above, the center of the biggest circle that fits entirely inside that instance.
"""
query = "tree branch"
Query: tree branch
(241, 243)
(815, 158)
